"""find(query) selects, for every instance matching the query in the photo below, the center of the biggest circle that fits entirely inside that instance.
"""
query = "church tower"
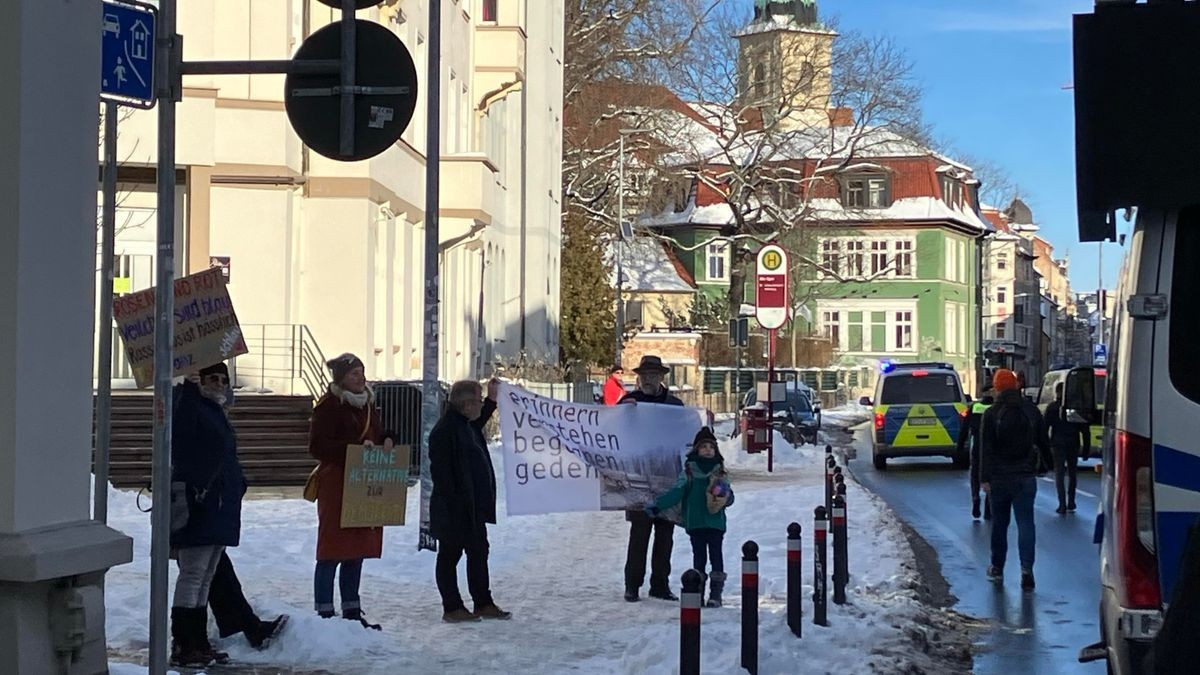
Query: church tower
(785, 61)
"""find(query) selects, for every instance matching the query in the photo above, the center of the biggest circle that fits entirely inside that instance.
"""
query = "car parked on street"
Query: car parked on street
(798, 416)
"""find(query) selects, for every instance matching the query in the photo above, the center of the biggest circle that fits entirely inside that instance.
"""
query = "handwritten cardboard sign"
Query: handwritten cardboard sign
(375, 488)
(206, 327)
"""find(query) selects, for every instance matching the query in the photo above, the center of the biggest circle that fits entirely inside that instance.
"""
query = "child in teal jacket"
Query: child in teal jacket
(704, 489)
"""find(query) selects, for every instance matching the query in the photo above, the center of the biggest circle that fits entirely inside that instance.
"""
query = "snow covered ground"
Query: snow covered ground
(562, 577)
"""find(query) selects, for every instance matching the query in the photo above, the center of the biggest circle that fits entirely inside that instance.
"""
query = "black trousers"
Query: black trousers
(1066, 468)
(451, 550)
(229, 606)
(640, 526)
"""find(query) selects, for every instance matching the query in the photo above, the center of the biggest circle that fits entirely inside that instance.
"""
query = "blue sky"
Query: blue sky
(993, 72)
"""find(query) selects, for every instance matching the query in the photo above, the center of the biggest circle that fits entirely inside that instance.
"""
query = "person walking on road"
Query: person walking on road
(204, 462)
(1014, 453)
(968, 442)
(463, 500)
(614, 388)
(651, 372)
(705, 492)
(344, 416)
(1066, 440)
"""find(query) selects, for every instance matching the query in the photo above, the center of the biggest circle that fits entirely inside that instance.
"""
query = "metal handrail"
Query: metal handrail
(293, 345)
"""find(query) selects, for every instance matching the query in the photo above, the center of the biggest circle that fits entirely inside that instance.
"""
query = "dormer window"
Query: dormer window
(489, 10)
(952, 191)
(866, 191)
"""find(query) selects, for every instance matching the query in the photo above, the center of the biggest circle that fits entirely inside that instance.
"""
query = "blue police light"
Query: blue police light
(886, 367)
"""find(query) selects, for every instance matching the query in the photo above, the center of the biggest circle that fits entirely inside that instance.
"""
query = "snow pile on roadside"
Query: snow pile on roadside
(562, 576)
(849, 415)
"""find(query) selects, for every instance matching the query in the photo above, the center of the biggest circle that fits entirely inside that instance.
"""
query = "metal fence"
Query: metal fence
(284, 358)
(399, 404)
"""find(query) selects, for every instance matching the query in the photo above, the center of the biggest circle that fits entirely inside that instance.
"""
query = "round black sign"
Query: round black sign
(358, 4)
(384, 102)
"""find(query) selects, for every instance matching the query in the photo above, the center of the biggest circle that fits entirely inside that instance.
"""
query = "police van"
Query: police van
(1129, 57)
(918, 408)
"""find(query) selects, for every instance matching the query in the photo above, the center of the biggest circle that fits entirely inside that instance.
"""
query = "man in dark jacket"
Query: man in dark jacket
(1014, 453)
(968, 441)
(651, 372)
(463, 500)
(1066, 439)
(208, 478)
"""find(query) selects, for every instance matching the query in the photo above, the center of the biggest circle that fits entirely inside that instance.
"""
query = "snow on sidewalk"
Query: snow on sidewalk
(562, 576)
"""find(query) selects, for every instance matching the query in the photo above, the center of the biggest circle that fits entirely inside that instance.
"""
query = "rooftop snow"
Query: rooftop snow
(647, 267)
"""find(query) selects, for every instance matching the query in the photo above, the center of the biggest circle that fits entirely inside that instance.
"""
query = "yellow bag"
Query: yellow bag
(310, 486)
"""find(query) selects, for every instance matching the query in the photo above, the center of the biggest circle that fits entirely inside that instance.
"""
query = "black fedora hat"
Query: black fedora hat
(651, 364)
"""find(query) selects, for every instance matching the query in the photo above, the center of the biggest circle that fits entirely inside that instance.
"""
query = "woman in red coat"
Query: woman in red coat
(344, 416)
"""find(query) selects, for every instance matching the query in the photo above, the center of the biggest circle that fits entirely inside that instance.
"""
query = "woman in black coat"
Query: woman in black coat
(205, 464)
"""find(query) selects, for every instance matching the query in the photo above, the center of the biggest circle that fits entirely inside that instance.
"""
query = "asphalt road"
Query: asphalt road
(1039, 632)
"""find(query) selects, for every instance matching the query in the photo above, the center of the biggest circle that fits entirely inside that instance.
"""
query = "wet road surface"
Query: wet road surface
(1039, 632)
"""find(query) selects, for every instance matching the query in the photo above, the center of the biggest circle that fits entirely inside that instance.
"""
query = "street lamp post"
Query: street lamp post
(619, 336)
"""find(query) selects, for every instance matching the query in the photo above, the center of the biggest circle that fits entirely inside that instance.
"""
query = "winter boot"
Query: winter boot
(492, 612)
(1027, 582)
(357, 615)
(631, 594)
(186, 650)
(262, 634)
(995, 573)
(202, 643)
(460, 615)
(663, 594)
(716, 586)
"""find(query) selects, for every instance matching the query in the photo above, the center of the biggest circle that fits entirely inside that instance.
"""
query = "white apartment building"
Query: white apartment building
(338, 247)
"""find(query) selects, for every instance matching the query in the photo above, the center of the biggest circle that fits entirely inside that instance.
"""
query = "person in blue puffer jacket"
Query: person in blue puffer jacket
(204, 462)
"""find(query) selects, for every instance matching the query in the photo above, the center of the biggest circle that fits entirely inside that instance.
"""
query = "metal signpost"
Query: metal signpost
(349, 82)
(127, 36)
(771, 311)
(739, 339)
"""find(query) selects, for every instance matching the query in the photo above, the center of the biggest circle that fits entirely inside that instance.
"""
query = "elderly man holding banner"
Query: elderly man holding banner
(463, 501)
(651, 372)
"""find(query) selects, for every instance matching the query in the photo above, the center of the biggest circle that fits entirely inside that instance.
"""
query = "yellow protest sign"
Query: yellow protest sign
(375, 487)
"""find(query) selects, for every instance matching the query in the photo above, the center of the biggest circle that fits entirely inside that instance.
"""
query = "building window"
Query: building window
(952, 192)
(831, 324)
(634, 314)
(866, 192)
(489, 10)
(1001, 261)
(830, 257)
(760, 80)
(718, 253)
(879, 257)
(783, 193)
(904, 266)
(904, 330)
(854, 329)
(950, 337)
(1001, 331)
(951, 260)
(855, 258)
(1001, 295)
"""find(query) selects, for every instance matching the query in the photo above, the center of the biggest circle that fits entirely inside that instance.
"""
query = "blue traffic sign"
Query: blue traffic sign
(127, 46)
(1100, 354)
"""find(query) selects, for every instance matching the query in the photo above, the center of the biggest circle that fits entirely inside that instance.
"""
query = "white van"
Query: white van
(1151, 451)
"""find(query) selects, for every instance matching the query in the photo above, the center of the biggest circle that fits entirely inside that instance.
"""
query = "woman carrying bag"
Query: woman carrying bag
(345, 416)
(209, 485)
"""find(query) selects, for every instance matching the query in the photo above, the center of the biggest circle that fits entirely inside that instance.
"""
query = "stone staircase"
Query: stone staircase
(272, 435)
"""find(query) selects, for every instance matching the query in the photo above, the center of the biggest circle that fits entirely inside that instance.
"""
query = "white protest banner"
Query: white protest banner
(561, 456)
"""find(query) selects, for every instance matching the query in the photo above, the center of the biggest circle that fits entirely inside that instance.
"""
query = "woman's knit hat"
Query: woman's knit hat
(340, 366)
(705, 435)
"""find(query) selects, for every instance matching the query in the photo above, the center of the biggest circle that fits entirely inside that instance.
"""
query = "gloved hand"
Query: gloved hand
(720, 489)
(652, 510)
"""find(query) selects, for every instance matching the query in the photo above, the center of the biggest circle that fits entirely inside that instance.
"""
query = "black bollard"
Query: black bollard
(839, 550)
(820, 580)
(750, 607)
(689, 624)
(795, 612)
(830, 465)
(836, 478)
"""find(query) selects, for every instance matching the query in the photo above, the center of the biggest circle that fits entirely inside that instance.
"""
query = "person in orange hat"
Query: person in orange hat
(1014, 452)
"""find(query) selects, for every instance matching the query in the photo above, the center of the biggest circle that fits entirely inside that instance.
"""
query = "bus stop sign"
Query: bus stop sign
(771, 288)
